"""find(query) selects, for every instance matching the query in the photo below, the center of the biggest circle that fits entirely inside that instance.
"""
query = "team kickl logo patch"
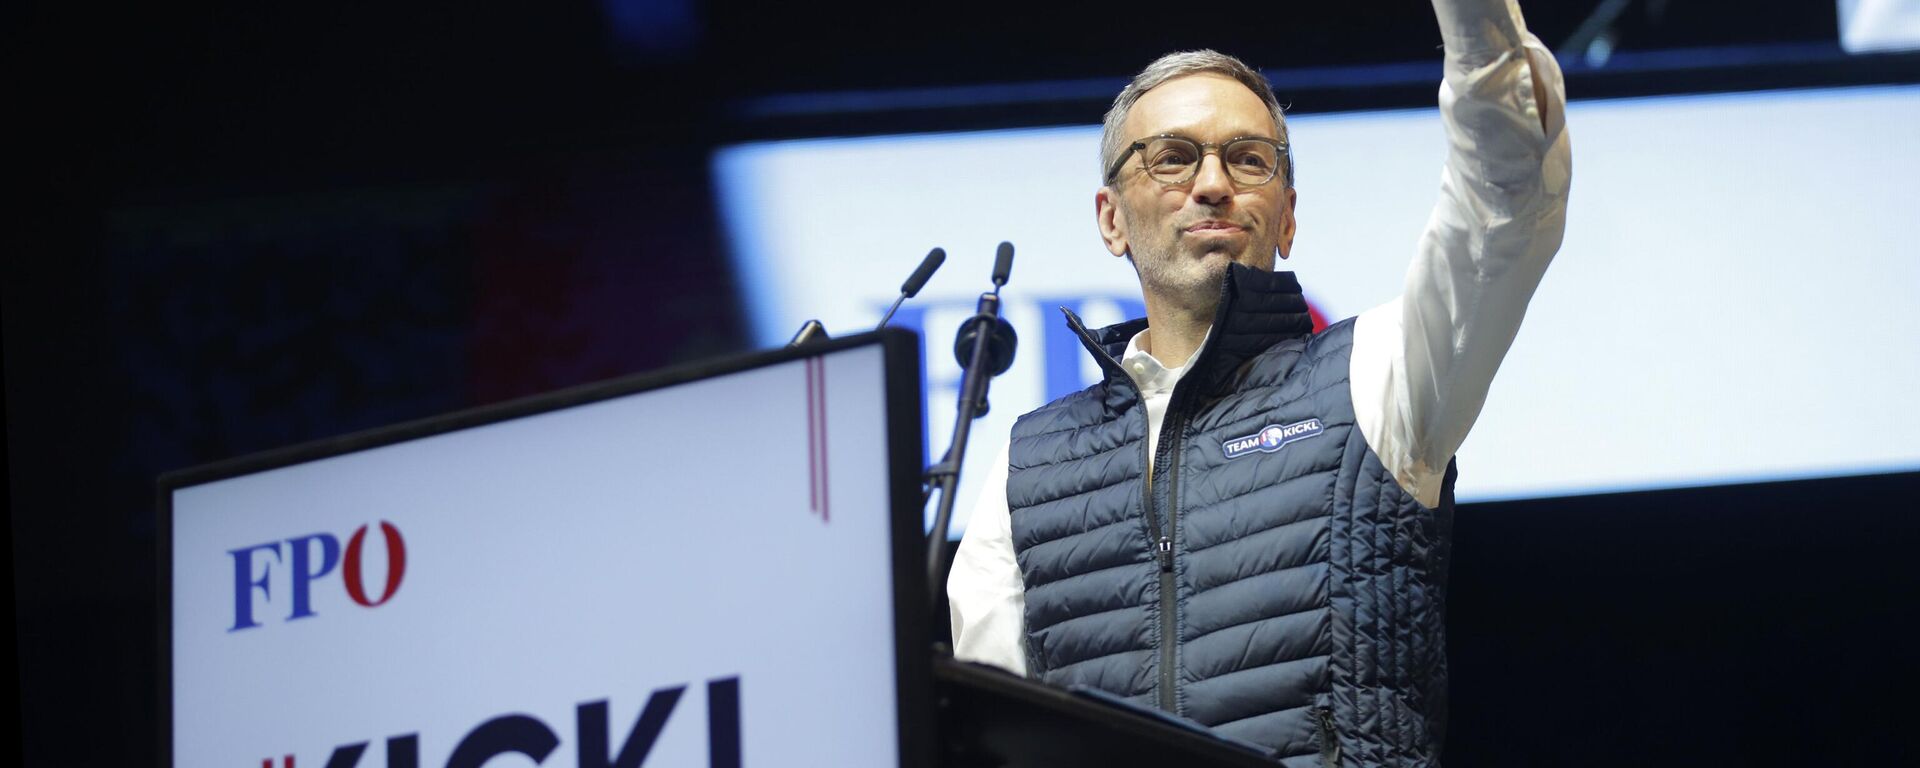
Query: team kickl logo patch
(1271, 439)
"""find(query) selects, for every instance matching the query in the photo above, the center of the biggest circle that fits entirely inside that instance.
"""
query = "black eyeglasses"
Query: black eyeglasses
(1175, 160)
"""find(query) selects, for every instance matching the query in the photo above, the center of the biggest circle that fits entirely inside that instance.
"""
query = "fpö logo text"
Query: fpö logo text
(285, 571)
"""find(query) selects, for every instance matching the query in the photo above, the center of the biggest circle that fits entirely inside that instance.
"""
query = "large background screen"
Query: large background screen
(1732, 302)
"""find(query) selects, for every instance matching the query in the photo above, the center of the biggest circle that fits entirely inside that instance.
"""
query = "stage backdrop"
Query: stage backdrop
(1732, 302)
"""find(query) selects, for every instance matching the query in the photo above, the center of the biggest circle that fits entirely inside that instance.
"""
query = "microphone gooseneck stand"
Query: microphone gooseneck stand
(812, 330)
(988, 343)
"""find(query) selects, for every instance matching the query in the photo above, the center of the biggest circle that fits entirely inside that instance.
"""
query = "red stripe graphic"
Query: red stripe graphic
(813, 455)
(820, 398)
(817, 437)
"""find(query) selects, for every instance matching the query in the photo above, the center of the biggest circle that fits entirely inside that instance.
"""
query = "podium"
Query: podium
(719, 565)
(988, 717)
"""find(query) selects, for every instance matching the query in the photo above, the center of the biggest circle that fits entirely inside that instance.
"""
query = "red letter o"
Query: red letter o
(396, 565)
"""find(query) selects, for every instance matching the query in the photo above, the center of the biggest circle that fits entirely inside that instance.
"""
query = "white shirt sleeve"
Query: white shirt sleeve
(986, 597)
(1421, 364)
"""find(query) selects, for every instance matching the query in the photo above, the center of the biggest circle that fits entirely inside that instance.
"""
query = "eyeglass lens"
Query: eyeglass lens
(1173, 160)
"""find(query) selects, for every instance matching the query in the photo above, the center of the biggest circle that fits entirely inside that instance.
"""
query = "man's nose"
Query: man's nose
(1211, 184)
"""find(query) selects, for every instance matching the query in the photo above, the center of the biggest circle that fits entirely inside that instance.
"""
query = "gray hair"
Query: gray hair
(1182, 64)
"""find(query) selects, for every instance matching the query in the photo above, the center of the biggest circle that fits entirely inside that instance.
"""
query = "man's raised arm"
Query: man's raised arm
(1422, 364)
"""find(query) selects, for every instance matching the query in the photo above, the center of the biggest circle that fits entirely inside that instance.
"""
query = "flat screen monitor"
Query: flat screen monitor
(719, 566)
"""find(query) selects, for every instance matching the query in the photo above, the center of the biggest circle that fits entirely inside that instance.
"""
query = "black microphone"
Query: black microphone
(924, 272)
(1001, 340)
(985, 349)
(812, 331)
(915, 282)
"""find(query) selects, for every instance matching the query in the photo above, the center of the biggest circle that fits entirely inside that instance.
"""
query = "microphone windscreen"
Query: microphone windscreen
(1001, 343)
(1002, 263)
(924, 272)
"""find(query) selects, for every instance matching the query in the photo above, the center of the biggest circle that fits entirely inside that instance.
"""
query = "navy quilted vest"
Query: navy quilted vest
(1271, 580)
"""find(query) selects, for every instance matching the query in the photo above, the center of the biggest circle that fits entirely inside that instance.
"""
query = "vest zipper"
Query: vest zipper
(1329, 741)
(1171, 428)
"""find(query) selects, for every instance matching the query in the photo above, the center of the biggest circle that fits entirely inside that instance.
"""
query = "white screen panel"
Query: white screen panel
(733, 529)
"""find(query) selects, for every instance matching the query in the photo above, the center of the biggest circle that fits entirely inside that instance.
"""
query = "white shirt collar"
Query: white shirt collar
(1148, 373)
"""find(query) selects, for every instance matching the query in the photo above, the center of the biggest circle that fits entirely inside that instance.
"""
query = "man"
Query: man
(1246, 523)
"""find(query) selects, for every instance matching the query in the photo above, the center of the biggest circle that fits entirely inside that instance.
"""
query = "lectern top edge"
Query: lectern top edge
(897, 341)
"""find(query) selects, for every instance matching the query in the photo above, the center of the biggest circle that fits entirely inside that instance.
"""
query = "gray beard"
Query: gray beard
(1194, 290)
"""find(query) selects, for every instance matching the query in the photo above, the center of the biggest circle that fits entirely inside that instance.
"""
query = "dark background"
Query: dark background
(247, 225)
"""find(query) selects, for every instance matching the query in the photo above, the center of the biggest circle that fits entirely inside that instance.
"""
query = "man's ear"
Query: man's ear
(1111, 221)
(1288, 225)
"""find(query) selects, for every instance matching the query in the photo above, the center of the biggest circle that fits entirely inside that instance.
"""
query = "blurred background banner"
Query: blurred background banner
(247, 226)
(1710, 242)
